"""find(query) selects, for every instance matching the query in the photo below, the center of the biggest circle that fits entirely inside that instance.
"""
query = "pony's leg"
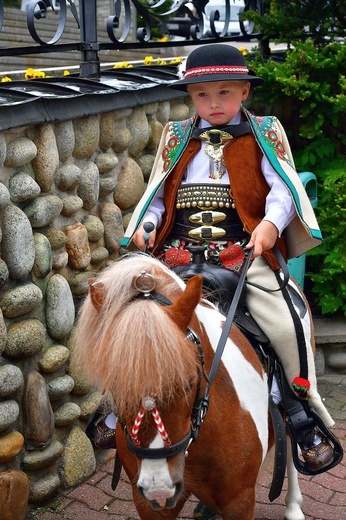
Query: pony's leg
(294, 498)
(242, 507)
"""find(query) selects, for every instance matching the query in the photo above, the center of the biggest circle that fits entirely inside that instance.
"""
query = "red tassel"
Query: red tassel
(301, 386)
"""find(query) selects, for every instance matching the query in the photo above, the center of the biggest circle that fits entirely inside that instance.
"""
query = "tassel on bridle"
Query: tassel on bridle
(149, 405)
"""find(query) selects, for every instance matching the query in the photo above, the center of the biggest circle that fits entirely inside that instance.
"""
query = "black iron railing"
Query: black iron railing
(133, 24)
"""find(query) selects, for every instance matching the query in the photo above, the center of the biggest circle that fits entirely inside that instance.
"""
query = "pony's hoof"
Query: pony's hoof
(201, 512)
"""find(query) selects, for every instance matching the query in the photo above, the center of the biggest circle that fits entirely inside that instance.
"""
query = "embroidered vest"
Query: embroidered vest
(243, 162)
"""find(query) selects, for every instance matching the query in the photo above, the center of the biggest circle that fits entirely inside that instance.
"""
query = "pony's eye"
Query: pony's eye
(189, 387)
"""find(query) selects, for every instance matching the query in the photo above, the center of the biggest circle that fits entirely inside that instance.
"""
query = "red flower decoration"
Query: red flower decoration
(272, 136)
(173, 141)
(175, 257)
(301, 386)
(232, 257)
(165, 152)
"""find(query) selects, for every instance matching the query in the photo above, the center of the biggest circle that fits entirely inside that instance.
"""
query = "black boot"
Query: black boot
(201, 512)
(98, 432)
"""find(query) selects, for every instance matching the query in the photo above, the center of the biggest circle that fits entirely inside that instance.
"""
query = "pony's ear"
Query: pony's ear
(182, 310)
(96, 293)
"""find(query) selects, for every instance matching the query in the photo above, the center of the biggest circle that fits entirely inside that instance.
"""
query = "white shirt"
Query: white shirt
(279, 208)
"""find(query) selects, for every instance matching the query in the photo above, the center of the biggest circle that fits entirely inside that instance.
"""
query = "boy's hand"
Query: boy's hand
(263, 237)
(138, 238)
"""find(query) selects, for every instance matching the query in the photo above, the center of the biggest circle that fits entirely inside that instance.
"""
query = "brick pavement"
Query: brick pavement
(324, 495)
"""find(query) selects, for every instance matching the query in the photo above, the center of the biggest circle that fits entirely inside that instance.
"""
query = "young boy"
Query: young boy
(230, 188)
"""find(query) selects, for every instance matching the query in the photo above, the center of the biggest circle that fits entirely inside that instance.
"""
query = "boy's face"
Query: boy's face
(218, 102)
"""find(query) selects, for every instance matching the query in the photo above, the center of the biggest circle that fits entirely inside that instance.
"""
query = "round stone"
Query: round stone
(179, 112)
(60, 310)
(130, 185)
(94, 227)
(88, 189)
(138, 126)
(56, 237)
(41, 489)
(25, 338)
(10, 445)
(64, 134)
(36, 460)
(67, 177)
(20, 300)
(18, 250)
(59, 387)
(98, 255)
(71, 205)
(106, 162)
(20, 151)
(77, 246)
(11, 379)
(46, 161)
(87, 136)
(23, 187)
(53, 358)
(43, 210)
(78, 460)
(66, 414)
(43, 256)
(123, 140)
(4, 274)
(39, 425)
(9, 412)
(4, 195)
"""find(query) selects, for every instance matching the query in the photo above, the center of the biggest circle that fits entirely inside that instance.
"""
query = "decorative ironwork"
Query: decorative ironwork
(146, 15)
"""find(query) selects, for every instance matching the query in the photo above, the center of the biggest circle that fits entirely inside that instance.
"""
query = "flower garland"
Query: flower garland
(148, 60)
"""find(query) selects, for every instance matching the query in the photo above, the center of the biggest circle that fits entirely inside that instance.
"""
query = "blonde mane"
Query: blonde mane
(130, 347)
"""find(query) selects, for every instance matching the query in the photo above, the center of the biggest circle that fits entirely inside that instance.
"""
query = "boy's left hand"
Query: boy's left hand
(263, 237)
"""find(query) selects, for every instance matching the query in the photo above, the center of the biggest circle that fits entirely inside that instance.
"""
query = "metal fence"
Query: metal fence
(133, 24)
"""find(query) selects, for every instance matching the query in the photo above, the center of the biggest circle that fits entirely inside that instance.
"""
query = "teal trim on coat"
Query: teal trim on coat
(260, 132)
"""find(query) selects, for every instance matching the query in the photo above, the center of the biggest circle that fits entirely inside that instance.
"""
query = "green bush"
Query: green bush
(327, 263)
(307, 91)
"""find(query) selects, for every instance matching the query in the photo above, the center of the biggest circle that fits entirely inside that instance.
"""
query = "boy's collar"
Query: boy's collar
(202, 123)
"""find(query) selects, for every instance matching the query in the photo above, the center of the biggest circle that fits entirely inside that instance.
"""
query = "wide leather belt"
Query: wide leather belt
(208, 225)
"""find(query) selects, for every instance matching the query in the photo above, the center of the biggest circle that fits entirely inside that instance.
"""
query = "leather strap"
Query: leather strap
(286, 275)
(228, 323)
(233, 130)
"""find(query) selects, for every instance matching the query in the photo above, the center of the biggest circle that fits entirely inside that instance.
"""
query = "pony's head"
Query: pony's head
(131, 341)
(133, 346)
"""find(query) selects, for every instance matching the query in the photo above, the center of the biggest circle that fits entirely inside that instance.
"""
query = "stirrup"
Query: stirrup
(334, 442)
(299, 417)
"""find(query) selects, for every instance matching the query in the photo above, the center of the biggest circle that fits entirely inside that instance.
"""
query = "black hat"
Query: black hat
(215, 62)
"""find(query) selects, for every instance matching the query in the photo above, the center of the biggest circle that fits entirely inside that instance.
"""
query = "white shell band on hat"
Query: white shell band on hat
(216, 69)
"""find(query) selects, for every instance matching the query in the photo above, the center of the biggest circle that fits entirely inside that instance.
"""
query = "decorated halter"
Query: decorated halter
(149, 405)
(144, 283)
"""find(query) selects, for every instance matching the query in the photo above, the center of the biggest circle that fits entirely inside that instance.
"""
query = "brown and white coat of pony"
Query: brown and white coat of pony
(136, 348)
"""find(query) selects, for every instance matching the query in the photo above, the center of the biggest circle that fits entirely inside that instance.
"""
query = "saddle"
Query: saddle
(219, 285)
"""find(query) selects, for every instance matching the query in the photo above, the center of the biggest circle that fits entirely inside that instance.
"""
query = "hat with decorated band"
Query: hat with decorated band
(215, 62)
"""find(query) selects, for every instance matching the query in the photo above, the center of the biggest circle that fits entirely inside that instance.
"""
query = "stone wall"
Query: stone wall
(67, 190)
